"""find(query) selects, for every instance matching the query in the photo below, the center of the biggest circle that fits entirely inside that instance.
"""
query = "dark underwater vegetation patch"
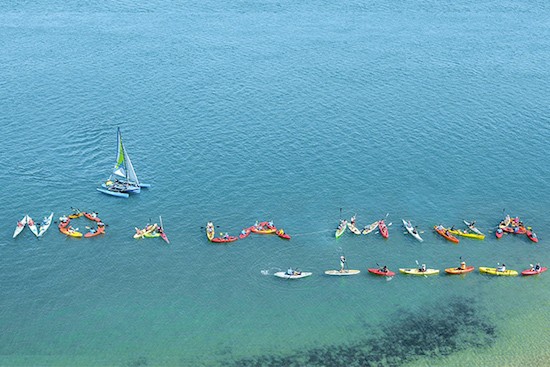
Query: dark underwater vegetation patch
(435, 332)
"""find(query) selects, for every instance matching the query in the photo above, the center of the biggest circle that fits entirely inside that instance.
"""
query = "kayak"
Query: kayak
(97, 232)
(353, 228)
(534, 272)
(70, 232)
(210, 231)
(507, 229)
(341, 228)
(75, 215)
(412, 231)
(532, 236)
(493, 271)
(20, 226)
(263, 230)
(140, 233)
(507, 221)
(92, 216)
(152, 235)
(467, 234)
(283, 235)
(225, 240)
(383, 229)
(46, 222)
(32, 226)
(64, 221)
(368, 229)
(284, 275)
(520, 230)
(246, 233)
(416, 271)
(448, 237)
(380, 272)
(342, 273)
(459, 271)
(499, 232)
(472, 227)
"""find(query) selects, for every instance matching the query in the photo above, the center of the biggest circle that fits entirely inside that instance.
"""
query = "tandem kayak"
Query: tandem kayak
(467, 234)
(493, 271)
(472, 227)
(378, 271)
(32, 226)
(46, 222)
(20, 226)
(443, 232)
(412, 231)
(353, 228)
(296, 275)
(534, 272)
(416, 271)
(383, 229)
(532, 236)
(368, 229)
(343, 272)
(225, 240)
(341, 228)
(459, 270)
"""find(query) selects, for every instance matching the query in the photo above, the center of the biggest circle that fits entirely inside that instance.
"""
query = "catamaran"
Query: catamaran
(123, 180)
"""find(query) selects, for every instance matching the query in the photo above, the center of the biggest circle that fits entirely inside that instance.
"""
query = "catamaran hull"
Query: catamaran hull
(114, 193)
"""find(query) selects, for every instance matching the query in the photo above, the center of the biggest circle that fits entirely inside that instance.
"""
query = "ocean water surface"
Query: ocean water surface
(296, 112)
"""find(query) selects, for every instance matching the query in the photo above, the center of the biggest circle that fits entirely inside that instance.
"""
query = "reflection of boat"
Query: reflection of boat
(123, 180)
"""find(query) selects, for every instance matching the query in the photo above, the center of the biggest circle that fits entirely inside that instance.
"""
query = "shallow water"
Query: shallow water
(298, 113)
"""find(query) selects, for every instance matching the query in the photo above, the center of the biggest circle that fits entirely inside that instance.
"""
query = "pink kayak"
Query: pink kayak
(224, 240)
(532, 236)
(499, 233)
(246, 233)
(383, 229)
(381, 272)
(534, 272)
(283, 235)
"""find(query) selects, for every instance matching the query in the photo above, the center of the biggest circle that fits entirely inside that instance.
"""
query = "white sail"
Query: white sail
(130, 172)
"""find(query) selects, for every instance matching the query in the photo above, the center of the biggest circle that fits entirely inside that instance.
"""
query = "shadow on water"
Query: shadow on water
(433, 333)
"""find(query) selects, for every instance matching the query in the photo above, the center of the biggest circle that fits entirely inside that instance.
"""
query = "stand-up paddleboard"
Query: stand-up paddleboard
(20, 226)
(284, 275)
(342, 273)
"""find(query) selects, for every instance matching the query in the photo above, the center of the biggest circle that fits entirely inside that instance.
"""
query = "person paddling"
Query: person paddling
(342, 263)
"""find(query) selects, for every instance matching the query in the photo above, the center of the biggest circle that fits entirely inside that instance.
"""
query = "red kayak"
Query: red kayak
(383, 229)
(224, 240)
(92, 216)
(246, 233)
(97, 232)
(64, 224)
(380, 272)
(283, 235)
(499, 232)
(507, 229)
(532, 236)
(534, 272)
(520, 230)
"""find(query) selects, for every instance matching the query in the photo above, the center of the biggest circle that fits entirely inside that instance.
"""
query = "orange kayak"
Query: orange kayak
(98, 231)
(443, 232)
(459, 271)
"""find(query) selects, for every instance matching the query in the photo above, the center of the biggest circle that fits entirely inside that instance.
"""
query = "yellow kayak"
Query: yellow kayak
(467, 234)
(140, 233)
(493, 271)
(70, 232)
(210, 231)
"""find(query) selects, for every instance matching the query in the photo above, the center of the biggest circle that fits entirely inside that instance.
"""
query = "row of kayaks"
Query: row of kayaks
(258, 228)
(67, 229)
(345, 224)
(37, 230)
(422, 271)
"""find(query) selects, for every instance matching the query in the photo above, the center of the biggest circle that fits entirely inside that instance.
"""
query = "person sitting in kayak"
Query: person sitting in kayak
(415, 230)
(243, 232)
(440, 227)
(537, 267)
(226, 236)
(342, 263)
(501, 268)
(281, 232)
(270, 223)
(422, 268)
(462, 266)
(352, 220)
(290, 271)
(384, 269)
(100, 224)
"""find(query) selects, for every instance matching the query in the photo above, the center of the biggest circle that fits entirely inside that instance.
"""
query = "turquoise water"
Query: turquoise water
(283, 111)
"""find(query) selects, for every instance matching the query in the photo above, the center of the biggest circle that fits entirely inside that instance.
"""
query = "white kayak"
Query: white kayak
(32, 225)
(370, 228)
(20, 226)
(342, 273)
(284, 275)
(411, 230)
(353, 228)
(472, 227)
(45, 225)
